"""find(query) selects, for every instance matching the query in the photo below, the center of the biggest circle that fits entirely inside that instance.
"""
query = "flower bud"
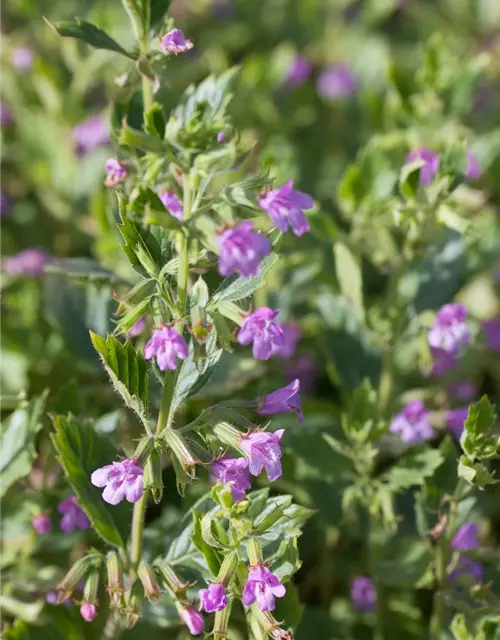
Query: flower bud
(149, 582)
(88, 611)
(228, 569)
(180, 450)
(153, 475)
(228, 434)
(254, 552)
(77, 572)
(271, 515)
(143, 450)
(133, 600)
(91, 586)
(115, 577)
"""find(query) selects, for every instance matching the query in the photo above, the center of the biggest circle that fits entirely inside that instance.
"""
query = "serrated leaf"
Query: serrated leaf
(476, 440)
(238, 288)
(192, 375)
(17, 442)
(81, 451)
(349, 276)
(412, 469)
(128, 372)
(89, 33)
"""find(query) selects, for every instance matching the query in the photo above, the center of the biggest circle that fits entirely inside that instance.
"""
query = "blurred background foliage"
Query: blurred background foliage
(425, 72)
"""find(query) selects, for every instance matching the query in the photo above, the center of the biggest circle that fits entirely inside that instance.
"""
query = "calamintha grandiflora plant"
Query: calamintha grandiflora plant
(178, 224)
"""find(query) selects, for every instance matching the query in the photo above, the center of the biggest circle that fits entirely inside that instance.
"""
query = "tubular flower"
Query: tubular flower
(267, 336)
(286, 208)
(234, 472)
(174, 43)
(262, 587)
(285, 400)
(214, 598)
(166, 345)
(241, 250)
(73, 515)
(121, 480)
(264, 452)
(412, 423)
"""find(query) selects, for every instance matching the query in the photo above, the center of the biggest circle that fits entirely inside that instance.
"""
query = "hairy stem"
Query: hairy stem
(137, 534)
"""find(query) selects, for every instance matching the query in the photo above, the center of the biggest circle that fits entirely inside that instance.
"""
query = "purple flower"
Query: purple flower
(449, 331)
(286, 208)
(5, 205)
(115, 173)
(172, 203)
(136, 329)
(241, 250)
(264, 452)
(166, 345)
(88, 611)
(337, 81)
(467, 566)
(430, 166)
(234, 472)
(42, 523)
(73, 515)
(455, 419)
(262, 586)
(121, 480)
(473, 170)
(491, 330)
(214, 598)
(6, 116)
(299, 71)
(267, 336)
(192, 619)
(28, 262)
(90, 134)
(303, 368)
(285, 400)
(363, 593)
(463, 390)
(291, 335)
(466, 537)
(442, 362)
(174, 42)
(220, 137)
(22, 59)
(412, 423)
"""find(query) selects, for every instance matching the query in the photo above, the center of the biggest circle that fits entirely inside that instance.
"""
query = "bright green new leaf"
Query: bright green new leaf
(477, 440)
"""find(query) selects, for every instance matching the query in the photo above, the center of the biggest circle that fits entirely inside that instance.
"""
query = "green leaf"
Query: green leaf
(89, 33)
(136, 139)
(404, 563)
(349, 276)
(286, 561)
(475, 473)
(412, 468)
(351, 190)
(409, 178)
(128, 372)
(477, 440)
(147, 203)
(238, 288)
(459, 628)
(81, 451)
(245, 193)
(154, 121)
(194, 375)
(17, 442)
(83, 270)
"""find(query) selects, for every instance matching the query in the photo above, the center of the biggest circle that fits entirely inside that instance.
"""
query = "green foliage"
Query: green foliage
(89, 33)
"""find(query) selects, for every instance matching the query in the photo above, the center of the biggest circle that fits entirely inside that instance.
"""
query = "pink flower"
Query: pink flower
(116, 172)
(88, 611)
(285, 400)
(22, 59)
(473, 170)
(73, 515)
(466, 537)
(491, 329)
(174, 42)
(430, 166)
(363, 593)
(267, 336)
(42, 523)
(90, 134)
(136, 329)
(264, 452)
(450, 331)
(233, 472)
(241, 249)
(192, 619)
(121, 480)
(214, 598)
(166, 345)
(291, 335)
(172, 203)
(412, 423)
(262, 586)
(299, 71)
(28, 262)
(286, 208)
(455, 420)
(337, 81)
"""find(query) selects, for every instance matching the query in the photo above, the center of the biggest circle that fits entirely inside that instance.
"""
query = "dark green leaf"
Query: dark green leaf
(154, 121)
(158, 10)
(89, 33)
(238, 288)
(81, 451)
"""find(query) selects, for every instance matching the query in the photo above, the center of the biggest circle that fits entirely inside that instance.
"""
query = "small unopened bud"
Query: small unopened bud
(91, 586)
(153, 475)
(144, 449)
(149, 582)
(88, 611)
(228, 569)
(179, 448)
(254, 552)
(115, 577)
(133, 603)
(77, 572)
(174, 584)
(228, 434)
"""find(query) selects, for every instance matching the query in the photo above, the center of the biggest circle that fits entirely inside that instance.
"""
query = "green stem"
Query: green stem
(147, 93)
(137, 535)
(112, 629)
(183, 252)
